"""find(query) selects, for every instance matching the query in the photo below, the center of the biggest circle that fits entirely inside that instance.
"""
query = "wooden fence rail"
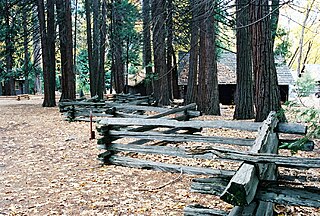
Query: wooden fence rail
(241, 188)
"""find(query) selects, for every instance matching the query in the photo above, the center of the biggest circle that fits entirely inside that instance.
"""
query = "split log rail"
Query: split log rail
(119, 105)
(252, 189)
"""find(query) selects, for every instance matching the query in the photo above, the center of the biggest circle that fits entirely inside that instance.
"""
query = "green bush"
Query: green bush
(305, 85)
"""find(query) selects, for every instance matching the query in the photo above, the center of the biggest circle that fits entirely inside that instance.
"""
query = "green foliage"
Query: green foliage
(108, 79)
(308, 115)
(133, 70)
(295, 146)
(130, 36)
(150, 78)
(283, 45)
(181, 24)
(305, 85)
(82, 71)
(12, 39)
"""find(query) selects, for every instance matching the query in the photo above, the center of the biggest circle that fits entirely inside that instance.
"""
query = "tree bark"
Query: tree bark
(36, 58)
(118, 63)
(75, 37)
(66, 50)
(212, 106)
(267, 95)
(96, 44)
(9, 83)
(147, 52)
(244, 90)
(170, 50)
(159, 52)
(191, 95)
(26, 50)
(202, 96)
(103, 33)
(89, 45)
(48, 51)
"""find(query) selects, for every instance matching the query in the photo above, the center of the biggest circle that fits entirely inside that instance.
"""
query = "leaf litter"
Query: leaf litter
(48, 166)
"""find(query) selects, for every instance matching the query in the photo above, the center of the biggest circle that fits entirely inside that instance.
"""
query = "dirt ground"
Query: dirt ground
(48, 167)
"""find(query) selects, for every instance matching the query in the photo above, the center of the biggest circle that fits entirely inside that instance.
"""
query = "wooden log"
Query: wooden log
(104, 129)
(162, 115)
(172, 130)
(290, 196)
(285, 194)
(240, 125)
(87, 114)
(181, 137)
(198, 210)
(126, 115)
(253, 209)
(291, 128)
(213, 185)
(192, 106)
(136, 107)
(160, 150)
(88, 109)
(144, 164)
(81, 103)
(242, 187)
(251, 126)
(253, 158)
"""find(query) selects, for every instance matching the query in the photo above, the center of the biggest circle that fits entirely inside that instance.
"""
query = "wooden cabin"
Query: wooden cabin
(227, 77)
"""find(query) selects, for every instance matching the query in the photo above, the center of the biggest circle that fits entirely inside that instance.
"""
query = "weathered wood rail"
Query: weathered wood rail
(249, 188)
(244, 189)
(126, 108)
(134, 99)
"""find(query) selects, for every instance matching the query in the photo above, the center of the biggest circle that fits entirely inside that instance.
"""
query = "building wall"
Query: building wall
(227, 93)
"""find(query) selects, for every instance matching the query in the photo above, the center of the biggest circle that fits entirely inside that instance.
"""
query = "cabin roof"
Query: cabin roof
(227, 65)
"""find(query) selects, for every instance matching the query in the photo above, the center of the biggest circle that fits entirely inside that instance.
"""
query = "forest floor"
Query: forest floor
(48, 166)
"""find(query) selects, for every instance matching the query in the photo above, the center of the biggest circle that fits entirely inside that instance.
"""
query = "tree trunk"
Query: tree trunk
(170, 50)
(36, 44)
(48, 51)
(191, 95)
(212, 106)
(96, 44)
(147, 52)
(202, 94)
(9, 85)
(103, 33)
(118, 63)
(309, 8)
(26, 50)
(244, 90)
(89, 43)
(267, 95)
(175, 86)
(274, 18)
(66, 50)
(75, 37)
(159, 52)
